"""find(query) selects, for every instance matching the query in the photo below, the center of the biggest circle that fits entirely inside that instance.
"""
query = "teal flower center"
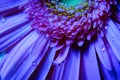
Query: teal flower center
(67, 7)
(71, 2)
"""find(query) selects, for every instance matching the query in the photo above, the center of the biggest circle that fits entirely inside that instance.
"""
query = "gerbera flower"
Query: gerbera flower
(60, 40)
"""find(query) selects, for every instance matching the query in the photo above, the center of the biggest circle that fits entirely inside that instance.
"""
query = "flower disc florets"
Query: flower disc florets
(66, 23)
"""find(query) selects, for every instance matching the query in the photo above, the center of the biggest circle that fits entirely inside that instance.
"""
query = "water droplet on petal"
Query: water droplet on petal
(89, 37)
(106, 27)
(34, 63)
(103, 48)
(47, 35)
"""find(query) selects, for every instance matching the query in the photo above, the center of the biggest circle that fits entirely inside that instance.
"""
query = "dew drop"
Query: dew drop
(2, 19)
(34, 63)
(47, 35)
(106, 27)
(103, 48)
(89, 37)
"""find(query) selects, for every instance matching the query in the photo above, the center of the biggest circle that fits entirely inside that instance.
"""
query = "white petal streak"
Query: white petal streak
(16, 54)
(102, 53)
(113, 40)
(90, 65)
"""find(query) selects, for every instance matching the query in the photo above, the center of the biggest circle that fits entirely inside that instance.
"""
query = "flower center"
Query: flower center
(68, 8)
(68, 21)
(71, 2)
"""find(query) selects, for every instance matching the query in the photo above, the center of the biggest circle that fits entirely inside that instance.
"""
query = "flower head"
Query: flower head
(66, 22)
(60, 40)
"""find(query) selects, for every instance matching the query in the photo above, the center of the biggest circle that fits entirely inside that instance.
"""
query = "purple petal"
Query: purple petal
(16, 55)
(90, 66)
(72, 64)
(58, 71)
(116, 66)
(117, 25)
(102, 53)
(62, 55)
(12, 25)
(3, 60)
(45, 67)
(114, 61)
(10, 6)
(113, 39)
(107, 75)
(32, 60)
(13, 37)
(114, 28)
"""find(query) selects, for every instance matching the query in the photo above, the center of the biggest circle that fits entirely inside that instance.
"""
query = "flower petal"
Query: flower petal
(108, 75)
(117, 25)
(32, 60)
(90, 68)
(113, 39)
(58, 71)
(62, 55)
(47, 63)
(8, 6)
(13, 24)
(15, 55)
(102, 53)
(114, 61)
(17, 35)
(114, 28)
(72, 64)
